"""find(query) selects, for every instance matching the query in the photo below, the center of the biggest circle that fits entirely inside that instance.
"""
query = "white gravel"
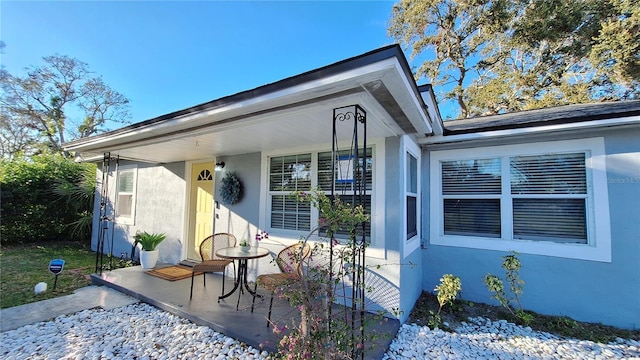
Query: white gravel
(140, 331)
(137, 331)
(480, 338)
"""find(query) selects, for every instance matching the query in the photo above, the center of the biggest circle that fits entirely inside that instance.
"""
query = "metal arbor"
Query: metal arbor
(351, 171)
(106, 217)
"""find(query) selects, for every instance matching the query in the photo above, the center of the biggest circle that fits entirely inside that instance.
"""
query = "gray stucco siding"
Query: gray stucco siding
(247, 169)
(159, 208)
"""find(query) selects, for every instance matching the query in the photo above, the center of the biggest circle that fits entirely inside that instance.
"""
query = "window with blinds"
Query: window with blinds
(301, 172)
(544, 198)
(287, 174)
(549, 197)
(471, 192)
(345, 183)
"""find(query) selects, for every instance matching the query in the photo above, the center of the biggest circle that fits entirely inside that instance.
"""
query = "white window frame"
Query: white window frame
(126, 220)
(598, 246)
(409, 147)
(376, 247)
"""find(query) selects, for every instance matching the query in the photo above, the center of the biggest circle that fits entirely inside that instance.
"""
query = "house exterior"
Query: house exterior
(559, 186)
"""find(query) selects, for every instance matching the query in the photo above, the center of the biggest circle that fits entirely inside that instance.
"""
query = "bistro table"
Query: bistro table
(235, 253)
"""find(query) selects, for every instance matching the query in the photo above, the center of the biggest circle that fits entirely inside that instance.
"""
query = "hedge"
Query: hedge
(39, 199)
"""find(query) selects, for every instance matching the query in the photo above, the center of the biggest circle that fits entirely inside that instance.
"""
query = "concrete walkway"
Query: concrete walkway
(88, 297)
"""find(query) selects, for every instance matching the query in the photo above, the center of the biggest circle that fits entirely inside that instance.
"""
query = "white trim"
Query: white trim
(407, 145)
(126, 220)
(377, 247)
(598, 247)
(443, 139)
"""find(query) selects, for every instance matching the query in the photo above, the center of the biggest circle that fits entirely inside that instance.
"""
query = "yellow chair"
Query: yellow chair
(210, 262)
(289, 260)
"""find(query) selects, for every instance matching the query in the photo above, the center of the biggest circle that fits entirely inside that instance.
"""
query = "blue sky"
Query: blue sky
(166, 56)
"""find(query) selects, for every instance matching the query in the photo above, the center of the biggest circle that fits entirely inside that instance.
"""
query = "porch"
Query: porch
(203, 309)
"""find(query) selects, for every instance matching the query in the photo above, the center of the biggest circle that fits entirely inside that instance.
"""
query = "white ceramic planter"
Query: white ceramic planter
(148, 259)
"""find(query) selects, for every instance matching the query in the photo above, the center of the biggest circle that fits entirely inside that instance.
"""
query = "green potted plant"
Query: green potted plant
(244, 245)
(148, 242)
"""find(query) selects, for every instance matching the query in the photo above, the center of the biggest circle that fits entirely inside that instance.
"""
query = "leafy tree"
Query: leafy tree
(500, 56)
(16, 138)
(40, 105)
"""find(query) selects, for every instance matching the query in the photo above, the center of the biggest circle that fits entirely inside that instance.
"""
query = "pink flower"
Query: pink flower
(262, 235)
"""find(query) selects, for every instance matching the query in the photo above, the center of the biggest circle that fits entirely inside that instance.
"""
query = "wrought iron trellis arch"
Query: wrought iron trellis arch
(106, 217)
(349, 162)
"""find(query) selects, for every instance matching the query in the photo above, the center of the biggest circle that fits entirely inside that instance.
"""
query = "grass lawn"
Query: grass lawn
(23, 266)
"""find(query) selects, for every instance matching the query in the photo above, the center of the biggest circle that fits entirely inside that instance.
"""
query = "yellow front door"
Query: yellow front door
(201, 208)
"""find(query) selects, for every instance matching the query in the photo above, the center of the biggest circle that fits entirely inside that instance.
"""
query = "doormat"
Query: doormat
(173, 273)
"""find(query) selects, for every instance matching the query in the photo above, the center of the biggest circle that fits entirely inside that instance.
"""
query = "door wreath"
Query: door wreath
(231, 189)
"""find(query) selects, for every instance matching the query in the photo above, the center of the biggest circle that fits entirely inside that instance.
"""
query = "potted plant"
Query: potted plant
(244, 245)
(148, 242)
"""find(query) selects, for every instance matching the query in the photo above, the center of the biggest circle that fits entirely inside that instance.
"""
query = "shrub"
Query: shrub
(511, 265)
(33, 209)
(446, 291)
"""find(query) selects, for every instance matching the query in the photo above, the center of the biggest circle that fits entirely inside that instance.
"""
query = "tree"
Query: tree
(500, 56)
(16, 138)
(40, 103)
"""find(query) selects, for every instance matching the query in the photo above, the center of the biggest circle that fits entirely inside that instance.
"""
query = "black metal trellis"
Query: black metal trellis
(106, 218)
(349, 177)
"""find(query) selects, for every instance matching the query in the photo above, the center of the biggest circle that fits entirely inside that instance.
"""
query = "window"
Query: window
(410, 154)
(549, 195)
(125, 198)
(305, 171)
(287, 174)
(412, 195)
(513, 198)
(471, 191)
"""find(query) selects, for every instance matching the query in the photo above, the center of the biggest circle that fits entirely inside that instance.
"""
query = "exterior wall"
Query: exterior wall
(401, 269)
(593, 291)
(159, 208)
(241, 218)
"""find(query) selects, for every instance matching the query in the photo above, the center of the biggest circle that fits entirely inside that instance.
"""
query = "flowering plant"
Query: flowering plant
(260, 235)
(321, 332)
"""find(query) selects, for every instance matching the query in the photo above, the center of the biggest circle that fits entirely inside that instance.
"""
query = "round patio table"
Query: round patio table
(235, 253)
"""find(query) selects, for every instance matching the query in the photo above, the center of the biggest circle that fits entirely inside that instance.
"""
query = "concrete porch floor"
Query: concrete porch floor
(204, 309)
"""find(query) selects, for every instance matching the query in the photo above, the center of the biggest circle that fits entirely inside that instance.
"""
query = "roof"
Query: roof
(565, 114)
(380, 81)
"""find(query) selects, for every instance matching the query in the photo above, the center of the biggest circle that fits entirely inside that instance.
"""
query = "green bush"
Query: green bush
(43, 197)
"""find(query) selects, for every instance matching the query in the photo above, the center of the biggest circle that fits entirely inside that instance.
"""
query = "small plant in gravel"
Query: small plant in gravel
(511, 265)
(446, 291)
